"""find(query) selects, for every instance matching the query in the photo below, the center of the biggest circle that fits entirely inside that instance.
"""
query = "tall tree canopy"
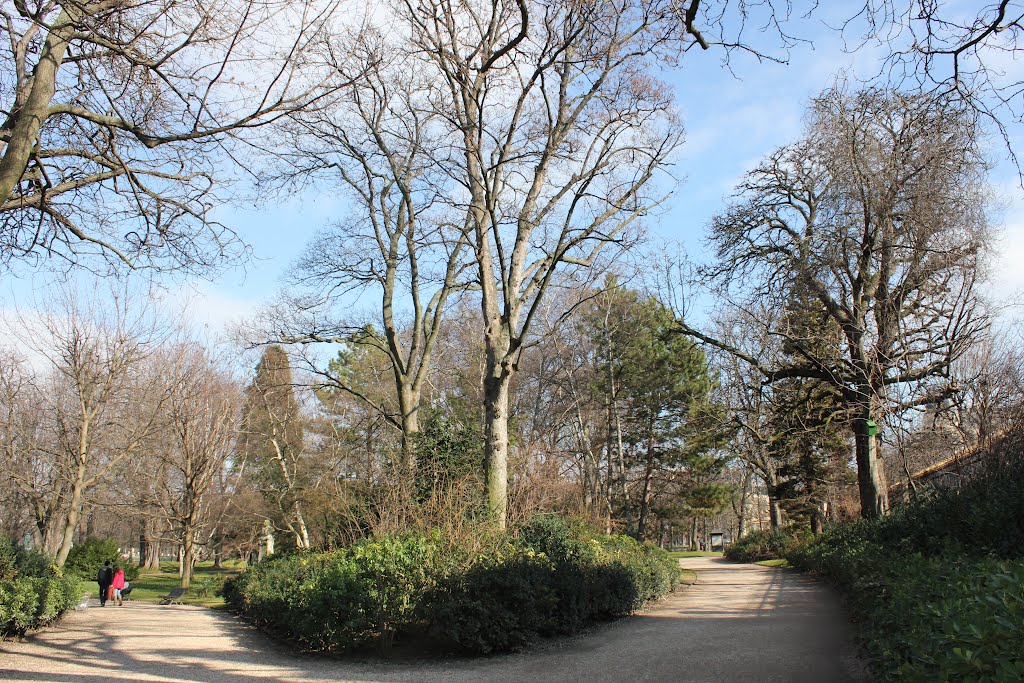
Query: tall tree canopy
(878, 214)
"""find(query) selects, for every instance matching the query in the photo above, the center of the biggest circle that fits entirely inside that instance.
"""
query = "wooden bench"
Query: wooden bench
(174, 597)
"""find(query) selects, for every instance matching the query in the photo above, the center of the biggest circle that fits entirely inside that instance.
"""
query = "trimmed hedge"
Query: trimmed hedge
(936, 587)
(33, 592)
(552, 576)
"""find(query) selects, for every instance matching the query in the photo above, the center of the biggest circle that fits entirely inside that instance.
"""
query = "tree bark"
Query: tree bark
(645, 504)
(874, 498)
(496, 390)
(77, 492)
(29, 119)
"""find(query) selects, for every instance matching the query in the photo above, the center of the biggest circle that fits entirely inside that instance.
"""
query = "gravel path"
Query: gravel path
(738, 623)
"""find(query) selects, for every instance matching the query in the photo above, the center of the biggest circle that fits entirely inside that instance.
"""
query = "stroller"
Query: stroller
(125, 591)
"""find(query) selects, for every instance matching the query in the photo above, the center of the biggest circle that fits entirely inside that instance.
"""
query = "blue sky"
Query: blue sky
(731, 122)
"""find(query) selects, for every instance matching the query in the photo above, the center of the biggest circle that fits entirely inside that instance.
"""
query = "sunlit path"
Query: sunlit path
(738, 623)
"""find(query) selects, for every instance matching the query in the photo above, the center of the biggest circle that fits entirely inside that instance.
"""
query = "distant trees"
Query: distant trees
(877, 215)
(271, 443)
(201, 415)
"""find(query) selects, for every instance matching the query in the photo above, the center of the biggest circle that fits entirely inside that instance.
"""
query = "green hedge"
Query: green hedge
(33, 592)
(552, 576)
(86, 558)
(936, 587)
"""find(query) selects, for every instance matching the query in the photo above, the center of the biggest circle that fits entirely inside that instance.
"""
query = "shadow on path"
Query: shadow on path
(737, 623)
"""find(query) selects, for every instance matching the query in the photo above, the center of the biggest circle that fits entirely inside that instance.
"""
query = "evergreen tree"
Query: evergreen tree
(271, 443)
(810, 418)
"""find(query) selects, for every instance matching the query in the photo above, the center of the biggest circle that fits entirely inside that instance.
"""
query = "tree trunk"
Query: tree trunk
(28, 121)
(641, 522)
(817, 520)
(409, 405)
(741, 516)
(153, 555)
(303, 530)
(774, 512)
(74, 511)
(218, 548)
(143, 546)
(185, 559)
(874, 498)
(496, 386)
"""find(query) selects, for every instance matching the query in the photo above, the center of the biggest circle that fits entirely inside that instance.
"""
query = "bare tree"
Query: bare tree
(101, 406)
(878, 215)
(202, 416)
(115, 114)
(558, 135)
(379, 141)
(953, 51)
(36, 482)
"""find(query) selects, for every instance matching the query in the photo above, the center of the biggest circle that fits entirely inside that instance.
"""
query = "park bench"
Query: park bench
(173, 597)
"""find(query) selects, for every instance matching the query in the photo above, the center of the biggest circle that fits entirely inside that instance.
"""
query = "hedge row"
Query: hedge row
(937, 587)
(552, 577)
(33, 592)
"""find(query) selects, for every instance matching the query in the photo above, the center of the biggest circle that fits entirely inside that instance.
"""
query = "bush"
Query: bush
(33, 592)
(596, 576)
(341, 600)
(551, 576)
(502, 602)
(763, 544)
(936, 587)
(86, 558)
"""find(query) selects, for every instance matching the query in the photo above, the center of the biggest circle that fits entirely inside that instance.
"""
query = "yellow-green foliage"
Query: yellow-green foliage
(33, 592)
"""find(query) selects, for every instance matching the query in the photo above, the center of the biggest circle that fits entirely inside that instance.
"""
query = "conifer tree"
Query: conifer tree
(271, 443)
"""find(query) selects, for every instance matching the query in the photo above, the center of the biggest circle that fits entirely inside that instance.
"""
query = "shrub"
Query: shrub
(551, 576)
(936, 587)
(339, 600)
(763, 544)
(596, 576)
(33, 592)
(502, 602)
(86, 558)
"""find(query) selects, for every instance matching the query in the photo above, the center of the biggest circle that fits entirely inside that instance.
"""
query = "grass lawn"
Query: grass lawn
(778, 562)
(693, 553)
(152, 585)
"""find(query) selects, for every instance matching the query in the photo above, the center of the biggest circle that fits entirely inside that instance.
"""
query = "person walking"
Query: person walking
(118, 585)
(104, 577)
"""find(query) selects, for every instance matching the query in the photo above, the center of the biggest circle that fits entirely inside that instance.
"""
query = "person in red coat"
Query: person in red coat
(118, 584)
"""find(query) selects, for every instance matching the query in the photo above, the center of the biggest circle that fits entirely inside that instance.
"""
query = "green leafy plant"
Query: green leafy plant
(553, 575)
(86, 558)
(764, 544)
(936, 587)
(33, 592)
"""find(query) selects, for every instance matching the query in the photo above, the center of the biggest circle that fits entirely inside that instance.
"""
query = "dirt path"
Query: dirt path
(739, 623)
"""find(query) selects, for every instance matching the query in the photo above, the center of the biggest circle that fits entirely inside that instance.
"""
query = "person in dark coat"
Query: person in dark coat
(104, 578)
